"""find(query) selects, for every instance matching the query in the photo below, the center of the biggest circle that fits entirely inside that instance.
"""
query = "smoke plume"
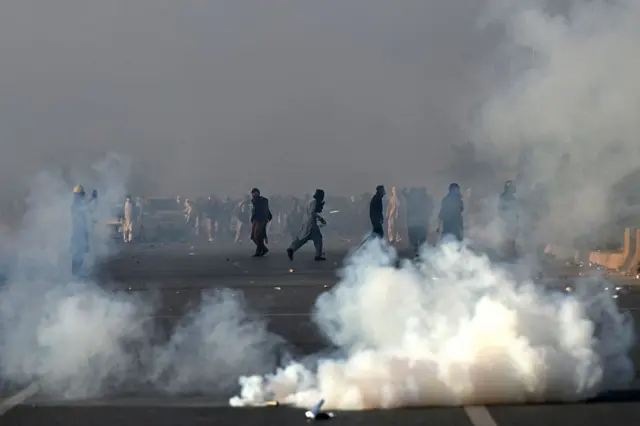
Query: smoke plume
(64, 332)
(213, 345)
(565, 110)
(452, 330)
(77, 339)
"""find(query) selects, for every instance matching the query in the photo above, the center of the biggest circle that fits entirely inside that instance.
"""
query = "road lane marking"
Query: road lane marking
(479, 416)
(262, 315)
(19, 398)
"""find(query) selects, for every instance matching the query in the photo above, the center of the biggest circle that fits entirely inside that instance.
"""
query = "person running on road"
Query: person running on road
(310, 229)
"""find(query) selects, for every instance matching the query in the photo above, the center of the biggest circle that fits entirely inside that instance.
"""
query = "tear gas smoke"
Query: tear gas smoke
(69, 337)
(78, 340)
(66, 333)
(213, 345)
(567, 109)
(452, 330)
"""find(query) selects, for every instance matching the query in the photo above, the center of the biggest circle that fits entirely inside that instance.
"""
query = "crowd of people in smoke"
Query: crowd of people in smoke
(409, 212)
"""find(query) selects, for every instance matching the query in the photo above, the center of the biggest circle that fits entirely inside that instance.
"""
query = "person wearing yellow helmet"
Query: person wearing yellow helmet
(79, 229)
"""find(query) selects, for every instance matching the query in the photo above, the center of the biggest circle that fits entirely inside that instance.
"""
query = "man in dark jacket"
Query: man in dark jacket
(450, 217)
(418, 207)
(375, 212)
(260, 217)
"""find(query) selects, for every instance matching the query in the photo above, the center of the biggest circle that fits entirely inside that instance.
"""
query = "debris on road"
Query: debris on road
(316, 414)
(277, 288)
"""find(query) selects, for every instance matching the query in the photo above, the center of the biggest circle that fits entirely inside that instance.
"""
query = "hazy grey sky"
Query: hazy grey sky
(230, 94)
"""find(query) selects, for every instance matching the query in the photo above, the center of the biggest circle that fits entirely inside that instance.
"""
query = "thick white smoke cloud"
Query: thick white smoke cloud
(70, 338)
(213, 345)
(452, 330)
(79, 340)
(569, 102)
(66, 333)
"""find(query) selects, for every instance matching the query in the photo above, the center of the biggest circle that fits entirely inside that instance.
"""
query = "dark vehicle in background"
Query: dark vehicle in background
(163, 219)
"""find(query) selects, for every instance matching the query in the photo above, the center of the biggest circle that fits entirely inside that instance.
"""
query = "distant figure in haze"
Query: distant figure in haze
(393, 216)
(450, 223)
(294, 219)
(508, 208)
(79, 228)
(139, 218)
(310, 229)
(260, 217)
(242, 214)
(211, 216)
(130, 216)
(192, 217)
(375, 212)
(418, 212)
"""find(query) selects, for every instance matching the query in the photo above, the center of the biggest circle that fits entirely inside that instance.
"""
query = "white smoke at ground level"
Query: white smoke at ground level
(65, 332)
(454, 330)
(79, 340)
(212, 345)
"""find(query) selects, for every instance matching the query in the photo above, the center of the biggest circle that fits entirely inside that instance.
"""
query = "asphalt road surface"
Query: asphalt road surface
(179, 274)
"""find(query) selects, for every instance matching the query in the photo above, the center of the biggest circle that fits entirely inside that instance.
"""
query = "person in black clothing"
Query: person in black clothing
(375, 212)
(450, 217)
(260, 217)
(418, 214)
(211, 216)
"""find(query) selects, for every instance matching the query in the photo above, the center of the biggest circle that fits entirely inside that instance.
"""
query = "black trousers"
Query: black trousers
(417, 236)
(377, 230)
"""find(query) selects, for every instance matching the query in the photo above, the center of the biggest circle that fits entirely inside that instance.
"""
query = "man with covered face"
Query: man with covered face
(310, 229)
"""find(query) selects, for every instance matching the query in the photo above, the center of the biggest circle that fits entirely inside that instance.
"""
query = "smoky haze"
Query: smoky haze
(566, 113)
(222, 96)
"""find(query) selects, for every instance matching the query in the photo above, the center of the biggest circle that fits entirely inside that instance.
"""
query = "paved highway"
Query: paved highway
(178, 275)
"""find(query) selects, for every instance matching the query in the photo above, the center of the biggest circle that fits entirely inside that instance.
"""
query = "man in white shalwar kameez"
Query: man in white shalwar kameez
(310, 229)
